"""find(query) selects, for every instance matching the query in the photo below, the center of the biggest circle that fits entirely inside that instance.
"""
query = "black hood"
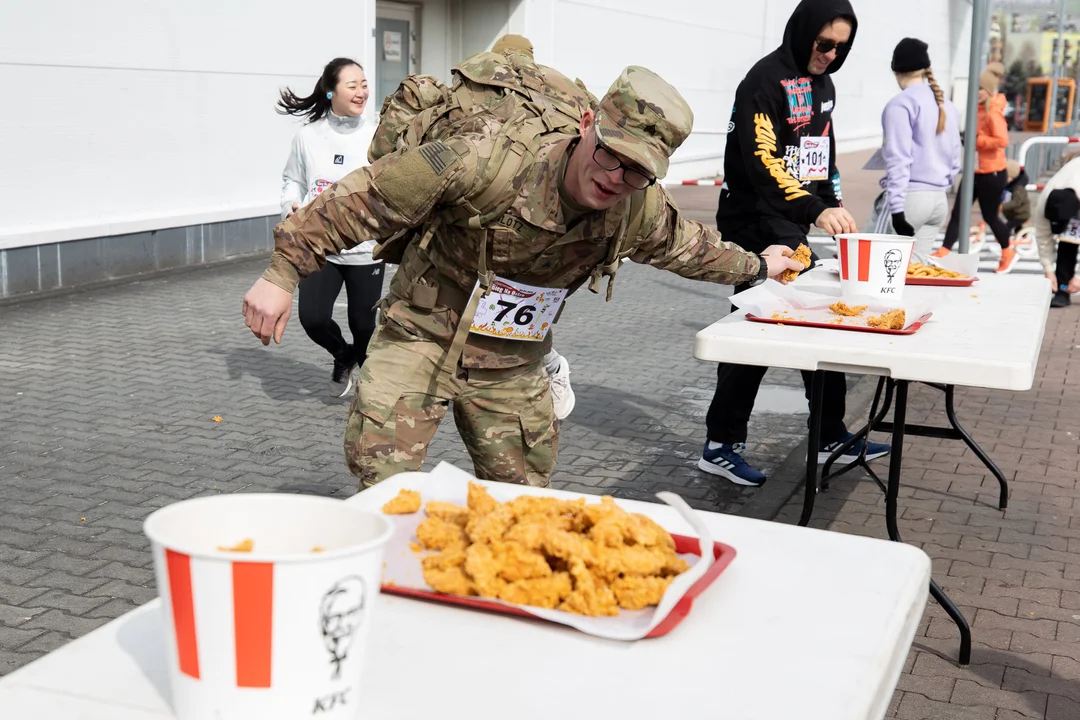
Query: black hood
(1021, 179)
(806, 22)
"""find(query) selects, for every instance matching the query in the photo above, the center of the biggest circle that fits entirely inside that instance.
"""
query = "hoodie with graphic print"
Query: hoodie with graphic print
(780, 162)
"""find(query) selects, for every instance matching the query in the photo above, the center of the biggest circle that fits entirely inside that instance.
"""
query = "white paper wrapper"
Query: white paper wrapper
(450, 484)
(965, 264)
(771, 298)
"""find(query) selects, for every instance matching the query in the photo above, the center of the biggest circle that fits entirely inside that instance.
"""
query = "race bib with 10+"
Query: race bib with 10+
(516, 311)
(1071, 233)
(813, 158)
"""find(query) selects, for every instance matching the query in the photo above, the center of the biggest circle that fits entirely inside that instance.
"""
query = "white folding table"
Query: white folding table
(987, 335)
(745, 637)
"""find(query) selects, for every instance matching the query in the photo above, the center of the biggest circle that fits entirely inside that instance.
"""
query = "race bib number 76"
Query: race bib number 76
(516, 311)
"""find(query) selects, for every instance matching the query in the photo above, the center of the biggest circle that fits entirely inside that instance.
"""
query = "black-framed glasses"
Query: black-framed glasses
(630, 175)
(824, 46)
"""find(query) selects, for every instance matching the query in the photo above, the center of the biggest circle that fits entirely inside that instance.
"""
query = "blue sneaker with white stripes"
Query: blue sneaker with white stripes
(874, 450)
(725, 460)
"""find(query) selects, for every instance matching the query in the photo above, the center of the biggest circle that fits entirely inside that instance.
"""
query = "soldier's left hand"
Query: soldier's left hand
(266, 310)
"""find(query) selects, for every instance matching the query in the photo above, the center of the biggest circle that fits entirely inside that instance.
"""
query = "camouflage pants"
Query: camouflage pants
(504, 417)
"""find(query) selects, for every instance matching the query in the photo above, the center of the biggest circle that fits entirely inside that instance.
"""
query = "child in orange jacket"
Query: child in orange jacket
(991, 139)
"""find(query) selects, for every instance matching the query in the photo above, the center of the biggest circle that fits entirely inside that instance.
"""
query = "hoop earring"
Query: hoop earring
(329, 96)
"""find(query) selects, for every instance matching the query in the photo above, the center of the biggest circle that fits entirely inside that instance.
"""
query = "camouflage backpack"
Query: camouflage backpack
(510, 87)
(523, 100)
(505, 94)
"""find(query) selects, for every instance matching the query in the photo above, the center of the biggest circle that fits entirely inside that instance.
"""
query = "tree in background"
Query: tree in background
(1016, 80)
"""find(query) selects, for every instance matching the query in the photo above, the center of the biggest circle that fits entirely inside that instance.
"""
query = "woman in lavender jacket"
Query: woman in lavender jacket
(921, 150)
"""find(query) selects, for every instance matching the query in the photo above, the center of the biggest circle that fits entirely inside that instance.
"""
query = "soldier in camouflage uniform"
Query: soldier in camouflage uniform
(462, 320)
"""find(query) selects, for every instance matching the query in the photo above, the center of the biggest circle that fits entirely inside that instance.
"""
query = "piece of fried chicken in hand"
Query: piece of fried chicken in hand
(801, 255)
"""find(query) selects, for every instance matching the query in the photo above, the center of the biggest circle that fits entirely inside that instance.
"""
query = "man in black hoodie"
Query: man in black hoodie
(779, 179)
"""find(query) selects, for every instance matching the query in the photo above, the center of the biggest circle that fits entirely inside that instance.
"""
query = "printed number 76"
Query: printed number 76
(523, 316)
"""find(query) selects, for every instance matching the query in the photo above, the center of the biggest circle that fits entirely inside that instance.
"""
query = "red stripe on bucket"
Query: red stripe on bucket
(843, 258)
(183, 611)
(864, 260)
(253, 615)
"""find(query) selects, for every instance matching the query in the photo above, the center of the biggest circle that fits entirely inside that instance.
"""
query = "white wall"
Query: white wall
(704, 48)
(144, 114)
(436, 53)
(134, 115)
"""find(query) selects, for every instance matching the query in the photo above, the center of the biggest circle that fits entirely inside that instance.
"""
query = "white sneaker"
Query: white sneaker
(562, 395)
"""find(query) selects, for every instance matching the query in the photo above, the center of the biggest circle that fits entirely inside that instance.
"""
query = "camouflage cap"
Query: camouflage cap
(644, 119)
(513, 43)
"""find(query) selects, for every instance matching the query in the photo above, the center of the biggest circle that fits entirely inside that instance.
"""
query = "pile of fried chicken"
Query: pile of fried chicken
(891, 320)
(550, 553)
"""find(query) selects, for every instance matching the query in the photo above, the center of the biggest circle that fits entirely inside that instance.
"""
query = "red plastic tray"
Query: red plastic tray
(723, 555)
(909, 330)
(942, 282)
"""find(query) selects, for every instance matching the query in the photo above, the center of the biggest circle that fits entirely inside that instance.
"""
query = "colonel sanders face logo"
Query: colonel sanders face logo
(892, 262)
(342, 611)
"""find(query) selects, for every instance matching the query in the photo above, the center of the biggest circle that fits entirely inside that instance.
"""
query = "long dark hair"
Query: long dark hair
(315, 105)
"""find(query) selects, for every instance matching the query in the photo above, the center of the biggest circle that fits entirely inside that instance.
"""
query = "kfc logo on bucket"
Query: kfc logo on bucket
(275, 633)
(872, 264)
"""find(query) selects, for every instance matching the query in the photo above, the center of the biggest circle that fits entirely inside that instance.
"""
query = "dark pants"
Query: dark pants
(737, 385)
(1066, 263)
(318, 292)
(1015, 224)
(988, 189)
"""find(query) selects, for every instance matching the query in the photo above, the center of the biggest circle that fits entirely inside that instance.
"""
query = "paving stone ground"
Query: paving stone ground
(1015, 574)
(107, 400)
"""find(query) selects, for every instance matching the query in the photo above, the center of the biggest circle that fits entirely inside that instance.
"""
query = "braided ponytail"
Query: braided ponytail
(940, 97)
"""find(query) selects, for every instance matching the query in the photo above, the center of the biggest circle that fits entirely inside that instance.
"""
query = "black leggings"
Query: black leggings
(1066, 263)
(988, 189)
(319, 291)
(736, 391)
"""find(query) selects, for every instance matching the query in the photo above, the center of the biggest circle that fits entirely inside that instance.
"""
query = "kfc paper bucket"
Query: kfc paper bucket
(275, 633)
(873, 265)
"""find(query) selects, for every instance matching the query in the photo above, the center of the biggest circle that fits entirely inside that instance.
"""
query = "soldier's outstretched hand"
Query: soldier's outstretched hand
(778, 258)
(266, 310)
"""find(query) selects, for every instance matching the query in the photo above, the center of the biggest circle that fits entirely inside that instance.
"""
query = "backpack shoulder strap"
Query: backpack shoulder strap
(629, 230)
(511, 149)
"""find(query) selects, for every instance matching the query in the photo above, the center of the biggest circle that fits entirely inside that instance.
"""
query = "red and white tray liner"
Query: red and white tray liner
(771, 297)
(450, 484)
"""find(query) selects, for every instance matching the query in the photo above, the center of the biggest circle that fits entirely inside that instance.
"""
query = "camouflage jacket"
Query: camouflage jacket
(426, 188)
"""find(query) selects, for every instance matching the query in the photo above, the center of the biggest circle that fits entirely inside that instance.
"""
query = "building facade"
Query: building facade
(140, 135)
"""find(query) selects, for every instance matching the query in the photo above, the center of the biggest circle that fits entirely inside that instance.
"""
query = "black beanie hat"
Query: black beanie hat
(910, 55)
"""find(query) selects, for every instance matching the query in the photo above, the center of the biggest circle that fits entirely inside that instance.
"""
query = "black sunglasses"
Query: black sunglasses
(631, 176)
(824, 46)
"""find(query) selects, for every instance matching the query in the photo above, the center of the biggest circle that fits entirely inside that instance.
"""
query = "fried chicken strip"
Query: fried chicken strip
(405, 503)
(802, 255)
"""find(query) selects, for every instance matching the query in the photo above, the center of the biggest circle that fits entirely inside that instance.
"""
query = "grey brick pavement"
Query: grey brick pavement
(107, 400)
(1015, 574)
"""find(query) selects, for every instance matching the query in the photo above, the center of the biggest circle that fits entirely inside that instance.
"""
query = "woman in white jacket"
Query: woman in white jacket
(333, 143)
(1057, 231)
